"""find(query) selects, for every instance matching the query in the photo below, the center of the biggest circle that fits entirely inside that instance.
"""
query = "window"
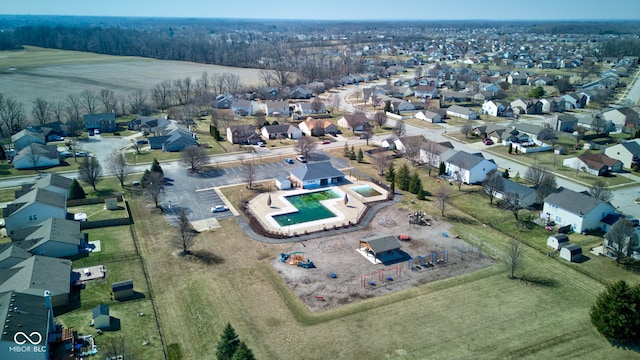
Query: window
(558, 219)
(33, 217)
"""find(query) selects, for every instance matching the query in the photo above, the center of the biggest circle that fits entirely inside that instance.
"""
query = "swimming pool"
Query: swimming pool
(366, 190)
(309, 208)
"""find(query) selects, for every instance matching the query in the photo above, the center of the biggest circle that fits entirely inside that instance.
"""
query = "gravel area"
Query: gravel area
(338, 255)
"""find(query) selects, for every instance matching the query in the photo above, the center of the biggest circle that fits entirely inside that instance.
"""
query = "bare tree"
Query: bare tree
(185, 238)
(442, 197)
(399, 129)
(283, 76)
(622, 238)
(161, 94)
(249, 173)
(431, 149)
(412, 146)
(514, 257)
(11, 115)
(89, 101)
(316, 105)
(118, 166)
(600, 190)
(154, 185)
(305, 145)
(90, 171)
(41, 110)
(137, 101)
(366, 133)
(380, 118)
(535, 174)
(57, 109)
(33, 155)
(267, 77)
(598, 123)
(73, 108)
(108, 100)
(336, 102)
(194, 157)
(548, 135)
(380, 161)
(511, 202)
(465, 130)
(493, 184)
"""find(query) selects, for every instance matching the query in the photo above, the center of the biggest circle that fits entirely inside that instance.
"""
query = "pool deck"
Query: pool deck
(351, 212)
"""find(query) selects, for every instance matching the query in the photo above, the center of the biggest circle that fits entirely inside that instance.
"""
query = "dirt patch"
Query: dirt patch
(357, 278)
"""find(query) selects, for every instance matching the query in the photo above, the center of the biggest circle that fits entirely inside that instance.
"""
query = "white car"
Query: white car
(219, 208)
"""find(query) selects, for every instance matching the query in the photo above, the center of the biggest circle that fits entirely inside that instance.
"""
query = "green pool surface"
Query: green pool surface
(309, 208)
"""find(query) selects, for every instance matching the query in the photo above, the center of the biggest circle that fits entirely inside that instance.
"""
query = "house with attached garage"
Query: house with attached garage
(574, 100)
(435, 153)
(526, 106)
(281, 131)
(353, 122)
(526, 196)
(461, 112)
(32, 208)
(580, 211)
(469, 168)
(53, 237)
(37, 274)
(177, 140)
(105, 122)
(318, 127)
(429, 116)
(243, 107)
(594, 164)
(426, 91)
(620, 117)
(11, 254)
(243, 134)
(52, 182)
(274, 108)
(26, 137)
(563, 122)
(553, 104)
(36, 156)
(497, 108)
(627, 152)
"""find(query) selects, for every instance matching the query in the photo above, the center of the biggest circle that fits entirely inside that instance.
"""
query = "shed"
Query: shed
(384, 248)
(557, 241)
(101, 317)
(283, 183)
(122, 289)
(571, 252)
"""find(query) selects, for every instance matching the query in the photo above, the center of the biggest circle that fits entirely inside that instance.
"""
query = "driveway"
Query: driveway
(100, 146)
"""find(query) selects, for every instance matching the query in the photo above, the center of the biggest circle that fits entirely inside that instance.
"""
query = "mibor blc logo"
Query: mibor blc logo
(26, 343)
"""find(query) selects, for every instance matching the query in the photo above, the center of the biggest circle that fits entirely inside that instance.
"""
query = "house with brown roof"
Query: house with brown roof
(594, 164)
(243, 134)
(318, 127)
(353, 122)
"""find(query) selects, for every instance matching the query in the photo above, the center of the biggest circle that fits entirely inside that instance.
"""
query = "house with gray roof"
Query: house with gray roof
(34, 207)
(526, 195)
(51, 181)
(101, 319)
(26, 137)
(36, 274)
(462, 112)
(177, 140)
(35, 156)
(105, 122)
(627, 152)
(317, 174)
(53, 237)
(578, 210)
(281, 131)
(429, 116)
(469, 168)
(11, 254)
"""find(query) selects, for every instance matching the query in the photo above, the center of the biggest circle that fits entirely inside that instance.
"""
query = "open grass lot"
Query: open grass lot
(97, 212)
(53, 74)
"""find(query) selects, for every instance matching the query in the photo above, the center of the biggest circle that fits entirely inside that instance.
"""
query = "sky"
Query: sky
(336, 9)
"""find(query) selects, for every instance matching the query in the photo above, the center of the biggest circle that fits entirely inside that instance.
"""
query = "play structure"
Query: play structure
(383, 276)
(419, 218)
(430, 260)
(296, 259)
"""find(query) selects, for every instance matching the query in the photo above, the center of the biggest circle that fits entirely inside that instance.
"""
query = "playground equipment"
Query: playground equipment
(296, 259)
(384, 276)
(430, 260)
(419, 218)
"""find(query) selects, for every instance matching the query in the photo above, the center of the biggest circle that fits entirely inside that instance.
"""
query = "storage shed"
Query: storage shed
(101, 318)
(384, 248)
(557, 241)
(283, 183)
(122, 289)
(571, 252)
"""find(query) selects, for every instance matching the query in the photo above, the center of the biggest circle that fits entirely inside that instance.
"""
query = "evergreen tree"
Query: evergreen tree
(145, 177)
(391, 173)
(442, 169)
(345, 150)
(616, 312)
(505, 174)
(421, 194)
(510, 149)
(352, 153)
(243, 352)
(76, 191)
(392, 187)
(155, 167)
(228, 344)
(403, 178)
(415, 184)
(360, 155)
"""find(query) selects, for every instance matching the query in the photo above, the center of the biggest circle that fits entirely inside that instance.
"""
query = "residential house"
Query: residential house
(11, 254)
(429, 116)
(300, 92)
(307, 108)
(628, 246)
(26, 137)
(526, 106)
(492, 131)
(573, 100)
(456, 96)
(627, 152)
(243, 134)
(53, 237)
(317, 174)
(242, 107)
(542, 81)
(149, 125)
(563, 122)
(105, 122)
(527, 196)
(469, 168)
(34, 207)
(274, 108)
(578, 210)
(402, 91)
(177, 140)
(398, 105)
(51, 182)
(517, 79)
(622, 117)
(461, 112)
(594, 164)
(223, 101)
(553, 104)
(281, 131)
(37, 274)
(426, 91)
(434, 153)
(318, 127)
(497, 108)
(36, 156)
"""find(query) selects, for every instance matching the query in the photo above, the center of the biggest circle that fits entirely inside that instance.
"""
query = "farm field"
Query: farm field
(54, 74)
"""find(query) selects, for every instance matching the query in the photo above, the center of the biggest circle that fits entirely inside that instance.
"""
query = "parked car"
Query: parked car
(96, 131)
(301, 158)
(288, 160)
(325, 142)
(142, 141)
(487, 141)
(219, 208)
(91, 132)
(57, 138)
(66, 154)
(82, 154)
(261, 144)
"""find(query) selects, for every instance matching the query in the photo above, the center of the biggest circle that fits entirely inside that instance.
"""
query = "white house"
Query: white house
(429, 116)
(627, 152)
(281, 131)
(53, 237)
(34, 207)
(355, 122)
(581, 211)
(36, 156)
(277, 108)
(317, 174)
(496, 108)
(469, 168)
(462, 112)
